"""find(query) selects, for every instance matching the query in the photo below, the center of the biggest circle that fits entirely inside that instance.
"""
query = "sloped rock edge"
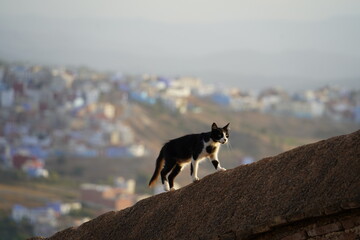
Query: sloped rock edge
(312, 180)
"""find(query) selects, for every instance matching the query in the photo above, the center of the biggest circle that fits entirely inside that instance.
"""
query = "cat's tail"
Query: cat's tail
(159, 163)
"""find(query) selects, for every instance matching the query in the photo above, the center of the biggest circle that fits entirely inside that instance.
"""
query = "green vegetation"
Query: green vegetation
(83, 212)
(11, 230)
(12, 175)
(142, 180)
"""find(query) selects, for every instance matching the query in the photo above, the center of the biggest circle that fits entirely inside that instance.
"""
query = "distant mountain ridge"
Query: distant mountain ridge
(311, 191)
(246, 53)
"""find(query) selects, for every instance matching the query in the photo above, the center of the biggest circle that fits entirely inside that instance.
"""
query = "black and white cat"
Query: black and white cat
(190, 148)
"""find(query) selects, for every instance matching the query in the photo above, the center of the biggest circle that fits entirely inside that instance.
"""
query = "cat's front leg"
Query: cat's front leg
(217, 166)
(214, 160)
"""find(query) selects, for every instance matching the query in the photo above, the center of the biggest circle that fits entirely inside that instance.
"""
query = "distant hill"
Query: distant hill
(312, 191)
(292, 70)
(250, 54)
(251, 134)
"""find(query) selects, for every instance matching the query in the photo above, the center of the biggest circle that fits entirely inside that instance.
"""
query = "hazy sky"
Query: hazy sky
(253, 43)
(186, 10)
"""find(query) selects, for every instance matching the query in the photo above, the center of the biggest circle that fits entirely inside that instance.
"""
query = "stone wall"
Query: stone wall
(343, 226)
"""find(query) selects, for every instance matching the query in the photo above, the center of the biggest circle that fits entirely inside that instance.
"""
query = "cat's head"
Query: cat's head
(219, 134)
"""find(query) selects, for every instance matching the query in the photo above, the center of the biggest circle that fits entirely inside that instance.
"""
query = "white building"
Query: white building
(34, 215)
(7, 98)
(127, 185)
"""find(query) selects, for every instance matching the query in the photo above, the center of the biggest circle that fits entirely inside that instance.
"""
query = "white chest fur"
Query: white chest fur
(210, 150)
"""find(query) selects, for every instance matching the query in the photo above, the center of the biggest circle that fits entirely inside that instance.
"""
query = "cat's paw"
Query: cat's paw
(166, 186)
(196, 179)
(172, 189)
(221, 169)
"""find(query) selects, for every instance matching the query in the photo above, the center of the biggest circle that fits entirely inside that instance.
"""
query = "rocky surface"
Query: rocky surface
(308, 182)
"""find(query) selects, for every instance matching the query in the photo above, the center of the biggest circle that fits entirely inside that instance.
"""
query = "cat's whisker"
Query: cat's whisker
(229, 146)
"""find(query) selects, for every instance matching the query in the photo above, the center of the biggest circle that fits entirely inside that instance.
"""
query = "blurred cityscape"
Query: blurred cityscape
(71, 113)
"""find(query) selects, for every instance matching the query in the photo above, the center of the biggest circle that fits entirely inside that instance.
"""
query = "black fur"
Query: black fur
(215, 163)
(210, 149)
(177, 152)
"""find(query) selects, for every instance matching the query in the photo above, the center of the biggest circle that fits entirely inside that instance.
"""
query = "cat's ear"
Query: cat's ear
(226, 127)
(214, 126)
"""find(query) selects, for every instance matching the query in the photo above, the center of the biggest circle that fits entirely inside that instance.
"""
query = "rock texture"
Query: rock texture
(310, 192)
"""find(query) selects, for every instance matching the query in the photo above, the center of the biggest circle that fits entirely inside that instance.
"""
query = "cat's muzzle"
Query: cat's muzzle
(223, 141)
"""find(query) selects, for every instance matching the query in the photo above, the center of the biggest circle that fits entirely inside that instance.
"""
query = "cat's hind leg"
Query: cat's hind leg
(169, 165)
(173, 174)
(194, 170)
